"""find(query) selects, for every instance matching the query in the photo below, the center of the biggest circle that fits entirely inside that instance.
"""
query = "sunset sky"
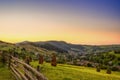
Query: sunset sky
(95, 22)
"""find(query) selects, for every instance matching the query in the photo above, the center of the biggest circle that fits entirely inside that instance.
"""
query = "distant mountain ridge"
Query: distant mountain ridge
(64, 47)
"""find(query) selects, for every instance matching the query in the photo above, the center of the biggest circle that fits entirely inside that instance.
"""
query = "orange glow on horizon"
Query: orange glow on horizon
(43, 24)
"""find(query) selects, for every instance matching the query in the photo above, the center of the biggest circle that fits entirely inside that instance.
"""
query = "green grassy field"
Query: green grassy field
(70, 72)
(5, 73)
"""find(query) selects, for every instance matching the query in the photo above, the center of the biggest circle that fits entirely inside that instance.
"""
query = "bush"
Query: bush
(119, 63)
(61, 61)
(115, 68)
(89, 65)
(98, 69)
(74, 62)
(108, 71)
(103, 67)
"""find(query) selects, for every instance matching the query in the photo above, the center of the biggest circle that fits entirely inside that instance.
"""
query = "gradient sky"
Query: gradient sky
(76, 21)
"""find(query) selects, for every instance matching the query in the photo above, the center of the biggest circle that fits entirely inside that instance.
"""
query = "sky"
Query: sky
(93, 22)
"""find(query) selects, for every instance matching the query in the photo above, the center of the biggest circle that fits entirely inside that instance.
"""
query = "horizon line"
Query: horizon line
(61, 41)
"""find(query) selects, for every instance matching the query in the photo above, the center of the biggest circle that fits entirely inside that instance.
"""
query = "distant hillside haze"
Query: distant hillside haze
(64, 47)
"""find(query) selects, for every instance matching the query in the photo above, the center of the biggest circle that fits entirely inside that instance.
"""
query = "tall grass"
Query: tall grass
(70, 72)
(5, 73)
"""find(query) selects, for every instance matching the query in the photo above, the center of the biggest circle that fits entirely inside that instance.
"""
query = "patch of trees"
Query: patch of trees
(106, 59)
(51, 47)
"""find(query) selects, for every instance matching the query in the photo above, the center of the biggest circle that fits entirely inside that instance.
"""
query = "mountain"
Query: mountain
(60, 47)
(74, 54)
(64, 47)
(5, 43)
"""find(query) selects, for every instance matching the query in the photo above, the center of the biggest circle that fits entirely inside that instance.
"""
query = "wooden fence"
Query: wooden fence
(23, 71)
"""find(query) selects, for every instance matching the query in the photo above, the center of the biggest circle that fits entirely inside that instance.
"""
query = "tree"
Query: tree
(27, 60)
(30, 58)
(75, 62)
(23, 55)
(53, 61)
(89, 64)
(98, 67)
(108, 70)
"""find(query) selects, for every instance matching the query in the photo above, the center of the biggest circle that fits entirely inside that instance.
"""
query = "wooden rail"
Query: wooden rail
(23, 71)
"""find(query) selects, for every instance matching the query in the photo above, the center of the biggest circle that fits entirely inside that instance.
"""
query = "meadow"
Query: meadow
(64, 72)
(5, 73)
(71, 72)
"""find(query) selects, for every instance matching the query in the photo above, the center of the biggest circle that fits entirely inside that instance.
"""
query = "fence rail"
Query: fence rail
(21, 70)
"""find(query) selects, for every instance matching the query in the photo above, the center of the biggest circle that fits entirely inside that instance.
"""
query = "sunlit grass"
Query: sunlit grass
(70, 72)
(5, 73)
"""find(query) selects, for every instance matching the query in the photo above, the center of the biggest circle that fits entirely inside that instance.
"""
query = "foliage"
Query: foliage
(5, 73)
(105, 59)
(115, 68)
(98, 68)
(108, 70)
(89, 65)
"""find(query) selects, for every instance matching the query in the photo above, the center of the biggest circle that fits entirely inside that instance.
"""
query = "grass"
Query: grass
(5, 73)
(118, 55)
(70, 72)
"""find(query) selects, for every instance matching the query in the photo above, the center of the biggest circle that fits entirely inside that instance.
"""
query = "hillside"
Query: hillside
(106, 56)
(65, 52)
(64, 47)
(70, 72)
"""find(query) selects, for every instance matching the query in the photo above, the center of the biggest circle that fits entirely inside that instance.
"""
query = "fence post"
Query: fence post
(38, 68)
(9, 62)
(27, 60)
(3, 57)
(27, 72)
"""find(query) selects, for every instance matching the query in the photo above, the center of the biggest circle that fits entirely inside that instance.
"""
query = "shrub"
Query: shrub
(98, 69)
(108, 70)
(74, 62)
(27, 60)
(89, 65)
(103, 67)
(115, 68)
